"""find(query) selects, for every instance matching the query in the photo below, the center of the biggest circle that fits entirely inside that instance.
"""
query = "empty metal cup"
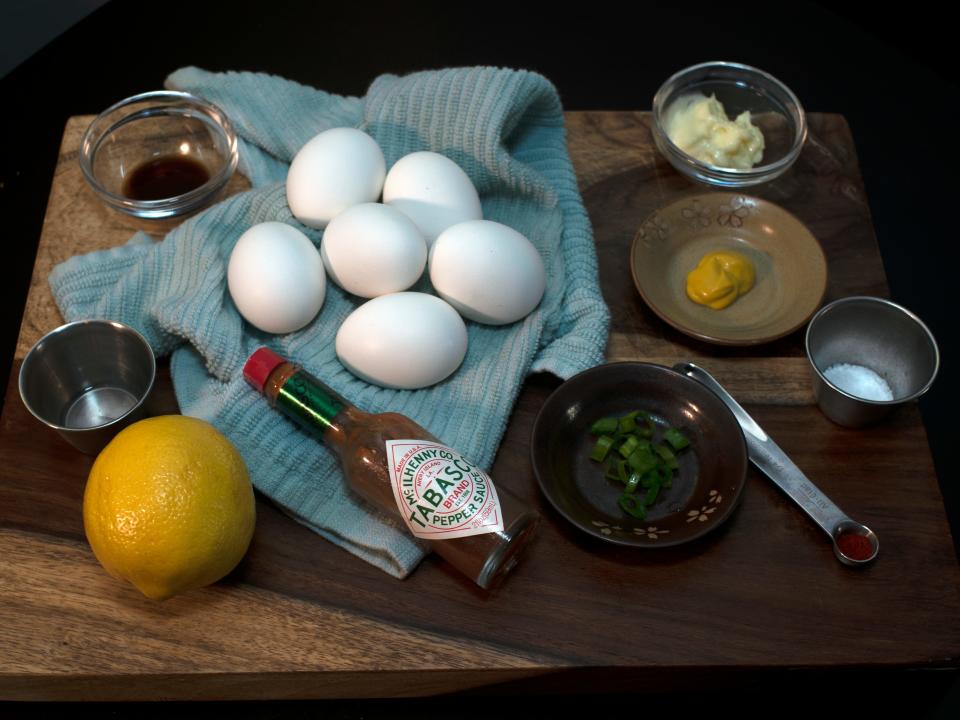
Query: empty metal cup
(861, 348)
(88, 380)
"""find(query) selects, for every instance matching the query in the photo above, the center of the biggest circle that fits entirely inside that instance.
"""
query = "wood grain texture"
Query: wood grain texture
(300, 618)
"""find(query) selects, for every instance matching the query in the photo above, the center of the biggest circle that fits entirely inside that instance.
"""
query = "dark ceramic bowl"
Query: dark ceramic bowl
(705, 490)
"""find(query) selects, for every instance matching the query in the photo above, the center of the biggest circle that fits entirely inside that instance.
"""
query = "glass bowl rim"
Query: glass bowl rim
(776, 167)
(93, 136)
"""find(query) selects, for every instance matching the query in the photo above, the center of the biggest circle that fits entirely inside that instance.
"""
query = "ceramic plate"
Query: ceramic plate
(706, 488)
(791, 270)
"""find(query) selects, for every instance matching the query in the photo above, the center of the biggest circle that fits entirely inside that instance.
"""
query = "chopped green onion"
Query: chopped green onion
(628, 423)
(612, 473)
(604, 426)
(664, 452)
(601, 448)
(669, 459)
(642, 460)
(628, 446)
(648, 464)
(676, 439)
(648, 427)
(651, 495)
(650, 479)
(631, 505)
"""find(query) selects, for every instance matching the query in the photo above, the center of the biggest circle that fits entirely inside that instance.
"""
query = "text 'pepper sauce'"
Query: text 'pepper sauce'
(440, 496)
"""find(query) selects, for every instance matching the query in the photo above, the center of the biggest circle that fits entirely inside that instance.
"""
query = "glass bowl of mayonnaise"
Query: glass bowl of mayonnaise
(727, 124)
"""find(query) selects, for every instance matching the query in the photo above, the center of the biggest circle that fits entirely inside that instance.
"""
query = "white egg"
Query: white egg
(372, 249)
(338, 168)
(489, 272)
(276, 278)
(433, 191)
(404, 340)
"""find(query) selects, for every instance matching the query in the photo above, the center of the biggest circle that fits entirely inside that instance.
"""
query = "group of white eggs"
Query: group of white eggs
(430, 217)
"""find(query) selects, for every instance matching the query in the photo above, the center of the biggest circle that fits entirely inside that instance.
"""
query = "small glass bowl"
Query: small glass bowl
(151, 126)
(773, 108)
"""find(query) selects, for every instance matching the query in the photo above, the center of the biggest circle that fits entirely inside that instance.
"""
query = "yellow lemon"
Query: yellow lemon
(169, 506)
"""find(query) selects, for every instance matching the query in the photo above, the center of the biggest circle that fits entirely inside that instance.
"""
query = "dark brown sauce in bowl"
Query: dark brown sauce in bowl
(165, 177)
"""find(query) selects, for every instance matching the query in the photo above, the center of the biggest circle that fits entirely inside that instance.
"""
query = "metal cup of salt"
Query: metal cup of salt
(88, 380)
(869, 356)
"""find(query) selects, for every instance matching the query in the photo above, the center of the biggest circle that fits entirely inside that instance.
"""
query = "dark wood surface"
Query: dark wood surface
(300, 618)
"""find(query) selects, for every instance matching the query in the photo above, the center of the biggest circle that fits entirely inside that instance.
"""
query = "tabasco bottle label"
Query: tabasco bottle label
(441, 494)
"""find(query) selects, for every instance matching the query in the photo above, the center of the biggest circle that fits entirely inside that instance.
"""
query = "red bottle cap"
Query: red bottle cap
(259, 366)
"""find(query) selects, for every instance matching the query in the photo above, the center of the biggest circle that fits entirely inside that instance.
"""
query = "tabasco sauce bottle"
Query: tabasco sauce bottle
(393, 463)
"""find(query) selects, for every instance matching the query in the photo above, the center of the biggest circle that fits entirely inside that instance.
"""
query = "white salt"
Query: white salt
(858, 380)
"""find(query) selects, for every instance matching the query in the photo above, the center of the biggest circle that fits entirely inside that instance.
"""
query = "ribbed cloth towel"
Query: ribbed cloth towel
(505, 129)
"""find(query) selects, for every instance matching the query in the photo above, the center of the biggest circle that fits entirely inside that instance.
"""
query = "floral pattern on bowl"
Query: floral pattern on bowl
(705, 489)
(791, 269)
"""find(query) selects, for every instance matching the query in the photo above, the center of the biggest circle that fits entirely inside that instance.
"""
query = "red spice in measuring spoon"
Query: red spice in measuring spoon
(854, 546)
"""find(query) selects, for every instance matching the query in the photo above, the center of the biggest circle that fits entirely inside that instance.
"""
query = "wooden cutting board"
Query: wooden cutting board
(300, 618)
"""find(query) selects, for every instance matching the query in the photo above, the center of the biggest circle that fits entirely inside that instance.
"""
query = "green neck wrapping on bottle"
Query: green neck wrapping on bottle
(310, 403)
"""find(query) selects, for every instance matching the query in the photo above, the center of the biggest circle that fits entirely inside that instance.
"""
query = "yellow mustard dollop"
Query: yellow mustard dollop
(720, 278)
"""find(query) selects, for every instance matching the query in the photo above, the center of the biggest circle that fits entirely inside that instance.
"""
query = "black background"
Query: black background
(890, 72)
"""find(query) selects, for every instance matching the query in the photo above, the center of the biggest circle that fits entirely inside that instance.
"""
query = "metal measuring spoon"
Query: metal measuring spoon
(774, 463)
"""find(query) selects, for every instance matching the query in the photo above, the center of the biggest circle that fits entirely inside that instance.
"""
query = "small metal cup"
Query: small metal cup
(88, 380)
(877, 334)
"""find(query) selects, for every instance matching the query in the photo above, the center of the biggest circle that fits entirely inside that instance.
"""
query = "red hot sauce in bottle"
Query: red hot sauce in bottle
(403, 470)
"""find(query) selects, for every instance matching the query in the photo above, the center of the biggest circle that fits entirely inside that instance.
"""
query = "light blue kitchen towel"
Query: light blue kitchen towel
(505, 128)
